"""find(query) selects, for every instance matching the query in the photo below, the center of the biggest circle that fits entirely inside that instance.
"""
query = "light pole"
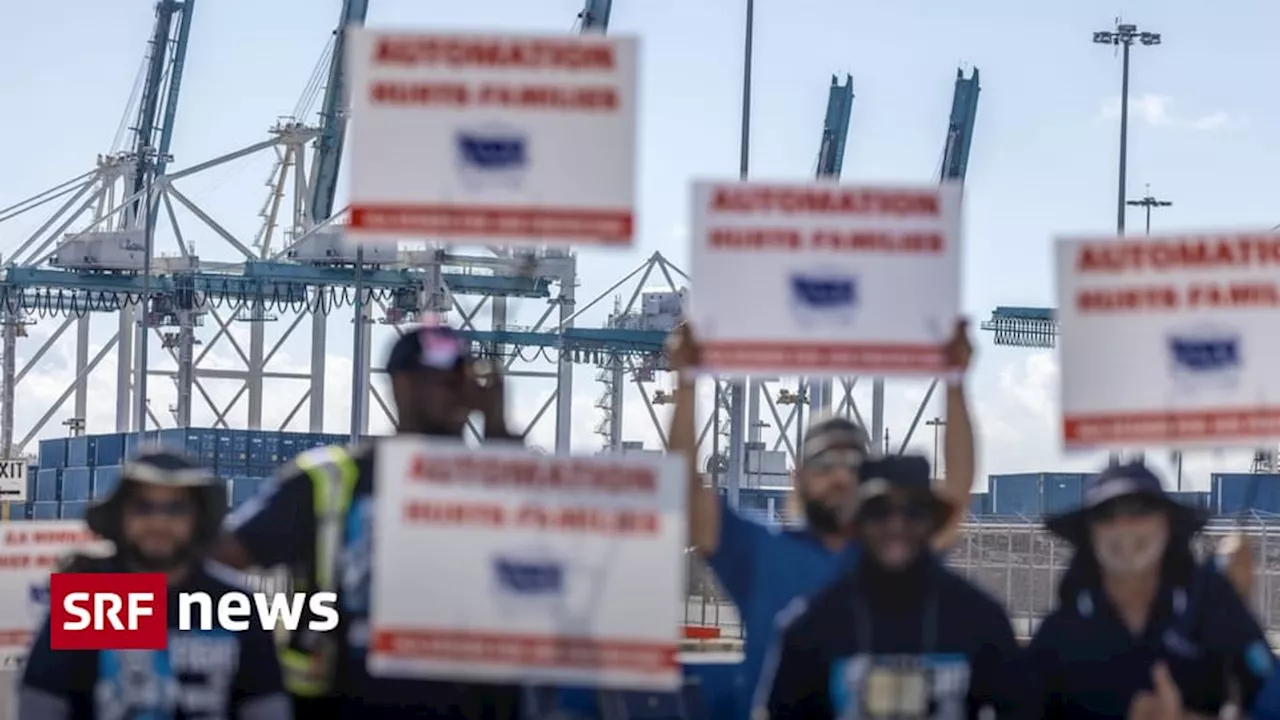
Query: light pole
(937, 424)
(1148, 202)
(1124, 36)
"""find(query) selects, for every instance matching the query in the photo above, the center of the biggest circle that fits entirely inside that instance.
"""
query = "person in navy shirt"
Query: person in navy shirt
(1141, 629)
(900, 635)
(764, 568)
(161, 518)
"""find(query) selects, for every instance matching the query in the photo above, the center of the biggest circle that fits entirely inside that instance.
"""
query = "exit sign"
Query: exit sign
(13, 480)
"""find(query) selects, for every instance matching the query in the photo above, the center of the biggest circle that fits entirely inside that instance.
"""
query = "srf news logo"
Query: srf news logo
(130, 611)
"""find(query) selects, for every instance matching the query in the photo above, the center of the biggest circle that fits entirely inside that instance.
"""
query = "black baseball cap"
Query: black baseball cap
(1131, 480)
(881, 476)
(429, 347)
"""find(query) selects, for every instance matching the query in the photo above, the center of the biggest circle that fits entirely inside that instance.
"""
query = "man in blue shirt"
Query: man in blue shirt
(763, 569)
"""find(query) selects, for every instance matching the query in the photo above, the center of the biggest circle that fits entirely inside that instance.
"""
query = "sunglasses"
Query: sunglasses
(881, 509)
(1135, 506)
(149, 508)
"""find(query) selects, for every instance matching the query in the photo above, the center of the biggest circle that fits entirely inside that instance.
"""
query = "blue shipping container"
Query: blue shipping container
(105, 479)
(1232, 491)
(53, 453)
(73, 510)
(77, 484)
(81, 450)
(1062, 492)
(43, 510)
(47, 485)
(110, 449)
(1194, 498)
(1015, 495)
(979, 504)
(33, 472)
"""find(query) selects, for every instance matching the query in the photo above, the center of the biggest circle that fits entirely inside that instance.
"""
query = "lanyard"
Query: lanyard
(862, 618)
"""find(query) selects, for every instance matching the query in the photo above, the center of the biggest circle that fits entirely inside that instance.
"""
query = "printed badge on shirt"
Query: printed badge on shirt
(900, 687)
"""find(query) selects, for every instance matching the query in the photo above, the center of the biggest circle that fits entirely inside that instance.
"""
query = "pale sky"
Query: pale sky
(1043, 158)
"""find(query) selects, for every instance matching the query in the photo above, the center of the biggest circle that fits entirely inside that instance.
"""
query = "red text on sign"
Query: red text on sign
(826, 201)
(496, 52)
(536, 97)
(569, 519)
(1194, 252)
(532, 474)
(1198, 295)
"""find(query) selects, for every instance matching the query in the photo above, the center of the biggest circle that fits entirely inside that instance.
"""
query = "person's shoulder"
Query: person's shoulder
(217, 579)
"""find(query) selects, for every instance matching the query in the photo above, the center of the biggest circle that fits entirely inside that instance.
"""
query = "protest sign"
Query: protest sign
(29, 552)
(502, 565)
(511, 138)
(1170, 340)
(825, 279)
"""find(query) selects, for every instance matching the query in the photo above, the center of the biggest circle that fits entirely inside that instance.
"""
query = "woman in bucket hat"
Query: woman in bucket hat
(162, 518)
(1141, 629)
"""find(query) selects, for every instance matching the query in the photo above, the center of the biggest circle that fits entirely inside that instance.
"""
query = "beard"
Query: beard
(822, 518)
(156, 563)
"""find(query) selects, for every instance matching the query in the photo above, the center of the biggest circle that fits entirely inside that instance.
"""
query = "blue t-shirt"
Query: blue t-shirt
(763, 569)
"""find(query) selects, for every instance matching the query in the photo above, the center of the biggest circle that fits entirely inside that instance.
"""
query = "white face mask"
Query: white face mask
(1129, 550)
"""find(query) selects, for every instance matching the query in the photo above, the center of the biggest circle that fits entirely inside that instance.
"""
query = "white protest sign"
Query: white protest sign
(510, 138)
(506, 566)
(13, 480)
(819, 278)
(29, 552)
(1170, 340)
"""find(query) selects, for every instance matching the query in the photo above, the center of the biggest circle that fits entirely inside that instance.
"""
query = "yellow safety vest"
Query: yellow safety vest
(308, 660)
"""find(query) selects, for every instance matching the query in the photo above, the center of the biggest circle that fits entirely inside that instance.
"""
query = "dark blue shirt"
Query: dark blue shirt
(202, 674)
(278, 527)
(1090, 664)
(763, 569)
(945, 647)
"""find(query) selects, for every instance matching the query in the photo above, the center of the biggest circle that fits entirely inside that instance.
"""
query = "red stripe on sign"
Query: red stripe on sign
(15, 638)
(1130, 428)
(600, 227)
(825, 356)
(460, 646)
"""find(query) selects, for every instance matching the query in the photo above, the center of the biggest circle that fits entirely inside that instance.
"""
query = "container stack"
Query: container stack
(73, 472)
(1241, 493)
(1031, 496)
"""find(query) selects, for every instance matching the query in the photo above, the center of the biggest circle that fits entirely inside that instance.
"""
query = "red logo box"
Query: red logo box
(108, 611)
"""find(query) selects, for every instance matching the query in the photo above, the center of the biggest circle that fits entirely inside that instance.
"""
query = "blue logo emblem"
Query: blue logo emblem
(492, 159)
(824, 298)
(529, 577)
(1259, 659)
(38, 594)
(1205, 359)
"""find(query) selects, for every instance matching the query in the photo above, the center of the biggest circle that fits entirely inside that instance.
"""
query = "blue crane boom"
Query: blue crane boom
(835, 134)
(835, 128)
(158, 109)
(964, 112)
(333, 117)
(595, 15)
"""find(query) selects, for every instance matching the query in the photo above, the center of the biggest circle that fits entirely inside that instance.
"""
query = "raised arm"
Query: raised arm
(704, 506)
(958, 448)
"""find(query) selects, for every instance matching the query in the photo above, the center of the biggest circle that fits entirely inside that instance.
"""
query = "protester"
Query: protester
(161, 518)
(899, 635)
(762, 569)
(1141, 629)
(436, 385)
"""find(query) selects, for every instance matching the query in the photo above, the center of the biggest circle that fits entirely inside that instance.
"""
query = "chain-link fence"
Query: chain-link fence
(1020, 563)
